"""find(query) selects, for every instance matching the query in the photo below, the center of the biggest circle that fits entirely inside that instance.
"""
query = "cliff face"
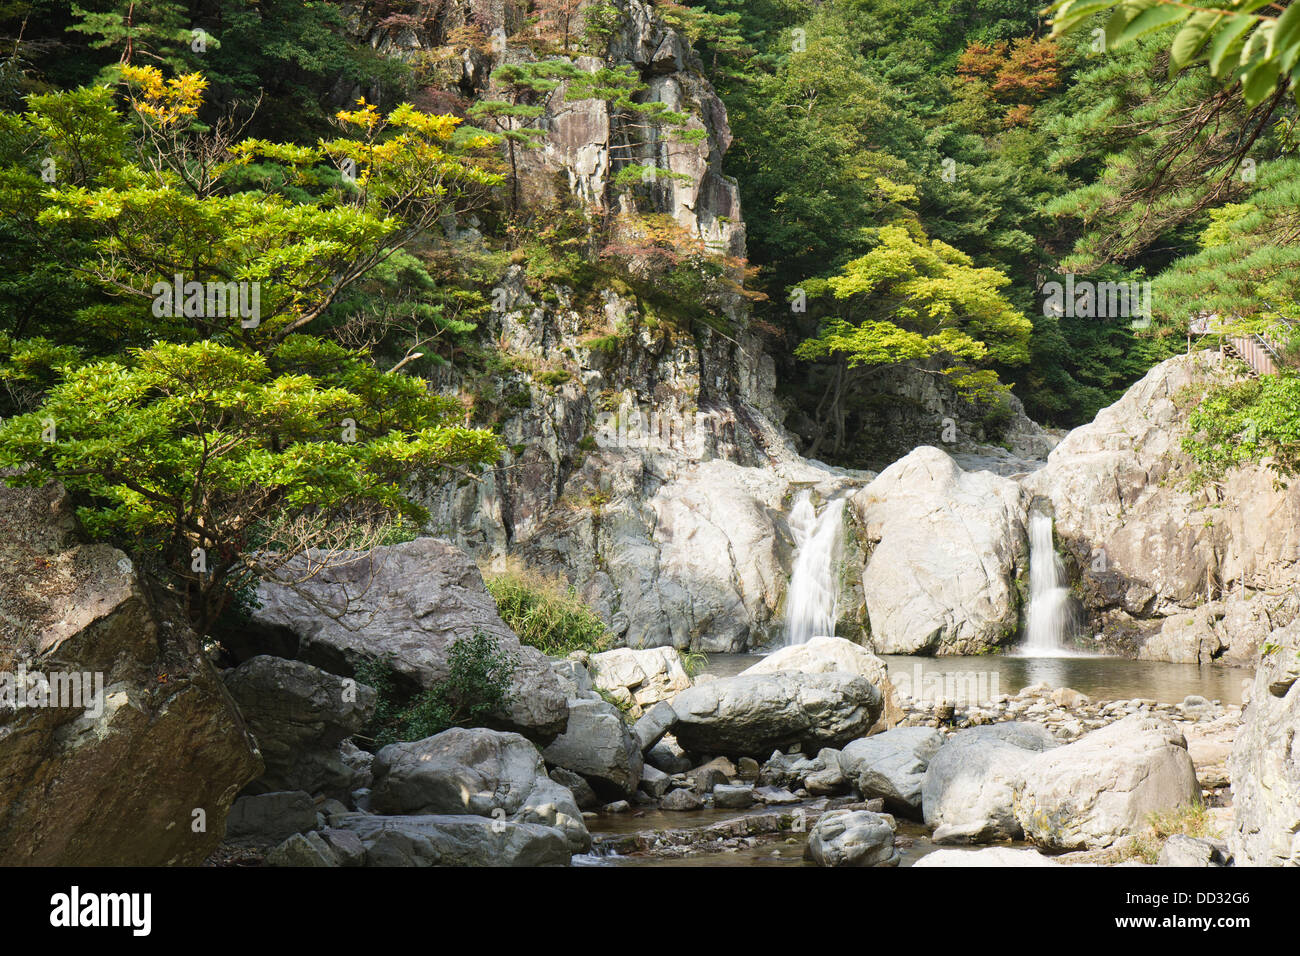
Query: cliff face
(644, 460)
(1166, 572)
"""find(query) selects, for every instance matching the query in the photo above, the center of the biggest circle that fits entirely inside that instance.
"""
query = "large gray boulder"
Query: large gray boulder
(454, 840)
(1265, 763)
(892, 766)
(598, 745)
(299, 715)
(967, 794)
(406, 604)
(267, 819)
(751, 715)
(1105, 785)
(946, 549)
(851, 838)
(821, 654)
(141, 774)
(1150, 550)
(475, 771)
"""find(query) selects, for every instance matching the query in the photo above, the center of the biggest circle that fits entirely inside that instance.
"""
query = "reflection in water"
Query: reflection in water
(1101, 678)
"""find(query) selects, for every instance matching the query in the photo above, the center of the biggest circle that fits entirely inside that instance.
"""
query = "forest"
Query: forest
(240, 239)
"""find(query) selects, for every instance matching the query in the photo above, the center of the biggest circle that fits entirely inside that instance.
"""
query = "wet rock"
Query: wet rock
(852, 838)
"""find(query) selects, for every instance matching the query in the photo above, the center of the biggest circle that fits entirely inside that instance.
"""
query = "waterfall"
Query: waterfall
(812, 603)
(1050, 620)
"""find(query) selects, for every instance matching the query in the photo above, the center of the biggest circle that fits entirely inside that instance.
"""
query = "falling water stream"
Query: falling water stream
(813, 600)
(1050, 621)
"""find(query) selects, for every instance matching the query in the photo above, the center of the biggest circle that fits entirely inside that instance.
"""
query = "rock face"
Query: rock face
(299, 716)
(407, 604)
(819, 655)
(1175, 575)
(851, 838)
(946, 549)
(648, 676)
(117, 780)
(892, 766)
(454, 840)
(1088, 794)
(1265, 762)
(475, 771)
(598, 745)
(754, 714)
(968, 792)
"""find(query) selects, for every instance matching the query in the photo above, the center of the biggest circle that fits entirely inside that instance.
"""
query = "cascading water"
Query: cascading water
(812, 602)
(1050, 620)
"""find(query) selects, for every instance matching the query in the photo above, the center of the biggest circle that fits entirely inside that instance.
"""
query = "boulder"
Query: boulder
(654, 783)
(654, 723)
(309, 849)
(1182, 850)
(267, 819)
(851, 838)
(1103, 786)
(577, 785)
(967, 793)
(819, 655)
(455, 840)
(946, 549)
(154, 746)
(406, 604)
(668, 756)
(892, 765)
(597, 744)
(729, 797)
(1265, 762)
(681, 800)
(300, 715)
(649, 675)
(475, 771)
(753, 714)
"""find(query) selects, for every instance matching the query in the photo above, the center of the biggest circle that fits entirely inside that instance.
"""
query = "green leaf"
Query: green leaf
(1287, 31)
(1191, 39)
(1228, 42)
(1259, 82)
(1149, 21)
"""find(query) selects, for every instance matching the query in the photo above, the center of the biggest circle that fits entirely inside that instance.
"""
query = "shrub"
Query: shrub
(546, 612)
(476, 686)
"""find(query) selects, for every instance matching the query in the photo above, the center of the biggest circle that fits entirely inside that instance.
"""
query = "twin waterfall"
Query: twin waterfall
(1050, 619)
(812, 603)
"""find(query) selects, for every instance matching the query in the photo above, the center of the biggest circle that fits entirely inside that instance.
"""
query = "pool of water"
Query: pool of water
(1102, 678)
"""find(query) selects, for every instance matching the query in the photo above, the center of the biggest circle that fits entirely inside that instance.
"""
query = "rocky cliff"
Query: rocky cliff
(1167, 571)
